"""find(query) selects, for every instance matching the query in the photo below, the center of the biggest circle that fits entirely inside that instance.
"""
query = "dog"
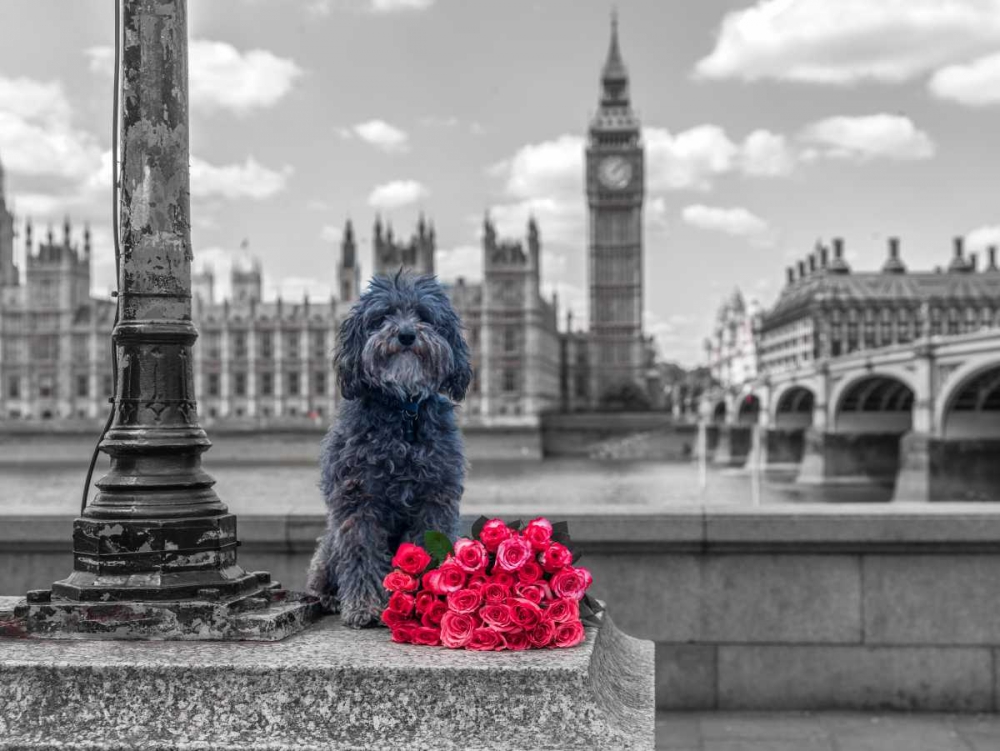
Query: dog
(393, 463)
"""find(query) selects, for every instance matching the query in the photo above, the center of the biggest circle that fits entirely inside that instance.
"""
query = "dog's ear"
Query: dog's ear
(460, 377)
(347, 360)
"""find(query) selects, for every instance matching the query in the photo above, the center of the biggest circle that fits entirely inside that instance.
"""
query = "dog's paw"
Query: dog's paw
(330, 604)
(360, 617)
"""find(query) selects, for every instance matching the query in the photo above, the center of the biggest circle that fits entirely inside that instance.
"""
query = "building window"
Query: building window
(213, 384)
(239, 346)
(213, 345)
(267, 384)
(80, 349)
(13, 387)
(318, 345)
(46, 387)
(293, 383)
(319, 383)
(509, 380)
(240, 384)
(292, 339)
(509, 339)
(266, 345)
(82, 386)
(45, 347)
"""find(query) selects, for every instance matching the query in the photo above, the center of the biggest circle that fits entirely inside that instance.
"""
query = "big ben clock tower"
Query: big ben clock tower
(615, 191)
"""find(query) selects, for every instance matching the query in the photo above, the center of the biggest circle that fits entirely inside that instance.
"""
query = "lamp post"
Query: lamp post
(155, 552)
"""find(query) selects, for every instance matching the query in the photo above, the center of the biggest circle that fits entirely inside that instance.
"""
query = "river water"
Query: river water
(509, 486)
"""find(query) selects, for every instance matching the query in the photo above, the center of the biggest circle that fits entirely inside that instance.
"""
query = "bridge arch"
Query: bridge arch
(794, 407)
(873, 403)
(719, 411)
(748, 410)
(970, 406)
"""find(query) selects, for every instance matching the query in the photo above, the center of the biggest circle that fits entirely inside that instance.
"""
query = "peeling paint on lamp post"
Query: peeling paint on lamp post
(156, 537)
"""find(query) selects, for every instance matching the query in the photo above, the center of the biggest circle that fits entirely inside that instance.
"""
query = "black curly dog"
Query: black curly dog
(393, 462)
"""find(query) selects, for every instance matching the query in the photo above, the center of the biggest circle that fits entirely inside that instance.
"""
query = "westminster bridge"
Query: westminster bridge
(924, 417)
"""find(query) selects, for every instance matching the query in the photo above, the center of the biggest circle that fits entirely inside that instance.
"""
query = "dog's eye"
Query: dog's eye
(377, 322)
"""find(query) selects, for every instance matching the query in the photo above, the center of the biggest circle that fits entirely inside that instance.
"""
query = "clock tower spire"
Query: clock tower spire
(615, 191)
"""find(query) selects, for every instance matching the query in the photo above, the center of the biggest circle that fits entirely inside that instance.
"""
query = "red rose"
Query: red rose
(530, 572)
(424, 600)
(429, 636)
(571, 582)
(411, 558)
(569, 634)
(452, 578)
(404, 632)
(538, 533)
(434, 613)
(401, 603)
(542, 634)
(516, 640)
(464, 601)
(392, 619)
(504, 578)
(456, 629)
(494, 592)
(563, 610)
(555, 557)
(397, 581)
(494, 532)
(513, 553)
(524, 613)
(497, 616)
(476, 581)
(471, 555)
(486, 640)
(530, 592)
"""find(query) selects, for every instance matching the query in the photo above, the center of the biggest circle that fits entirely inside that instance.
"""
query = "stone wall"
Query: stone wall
(868, 457)
(965, 470)
(805, 607)
(639, 435)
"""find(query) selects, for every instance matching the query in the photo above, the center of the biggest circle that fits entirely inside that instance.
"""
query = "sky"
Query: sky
(767, 127)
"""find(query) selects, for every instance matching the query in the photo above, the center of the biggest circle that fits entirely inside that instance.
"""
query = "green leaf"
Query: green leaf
(438, 545)
(560, 528)
(477, 527)
(515, 525)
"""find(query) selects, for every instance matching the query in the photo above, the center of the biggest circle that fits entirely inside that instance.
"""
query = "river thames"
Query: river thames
(507, 486)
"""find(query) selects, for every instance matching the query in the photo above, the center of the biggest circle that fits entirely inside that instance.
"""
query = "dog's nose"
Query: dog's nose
(406, 338)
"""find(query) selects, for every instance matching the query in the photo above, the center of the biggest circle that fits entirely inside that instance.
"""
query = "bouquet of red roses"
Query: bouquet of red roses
(506, 588)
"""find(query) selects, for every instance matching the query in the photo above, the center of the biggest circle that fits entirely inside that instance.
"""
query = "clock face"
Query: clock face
(614, 172)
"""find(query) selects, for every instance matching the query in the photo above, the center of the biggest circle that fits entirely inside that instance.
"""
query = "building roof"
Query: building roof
(824, 288)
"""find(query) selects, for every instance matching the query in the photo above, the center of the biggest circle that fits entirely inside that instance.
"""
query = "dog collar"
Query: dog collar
(411, 411)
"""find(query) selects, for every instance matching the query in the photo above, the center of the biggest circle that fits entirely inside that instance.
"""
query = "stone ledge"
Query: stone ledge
(328, 688)
(860, 528)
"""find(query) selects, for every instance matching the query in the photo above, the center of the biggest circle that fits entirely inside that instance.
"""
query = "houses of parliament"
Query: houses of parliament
(258, 359)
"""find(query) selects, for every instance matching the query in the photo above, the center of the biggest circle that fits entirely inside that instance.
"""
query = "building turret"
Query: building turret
(246, 283)
(839, 265)
(86, 241)
(893, 265)
(8, 271)
(959, 264)
(534, 247)
(992, 264)
(348, 271)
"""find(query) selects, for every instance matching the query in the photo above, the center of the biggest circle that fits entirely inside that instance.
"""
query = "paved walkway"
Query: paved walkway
(825, 731)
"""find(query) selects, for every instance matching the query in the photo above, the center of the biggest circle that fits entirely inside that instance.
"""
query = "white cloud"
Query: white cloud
(464, 261)
(983, 237)
(391, 6)
(393, 195)
(379, 134)
(37, 136)
(546, 168)
(736, 221)
(867, 137)
(331, 234)
(766, 154)
(561, 220)
(224, 78)
(976, 84)
(846, 41)
(247, 180)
